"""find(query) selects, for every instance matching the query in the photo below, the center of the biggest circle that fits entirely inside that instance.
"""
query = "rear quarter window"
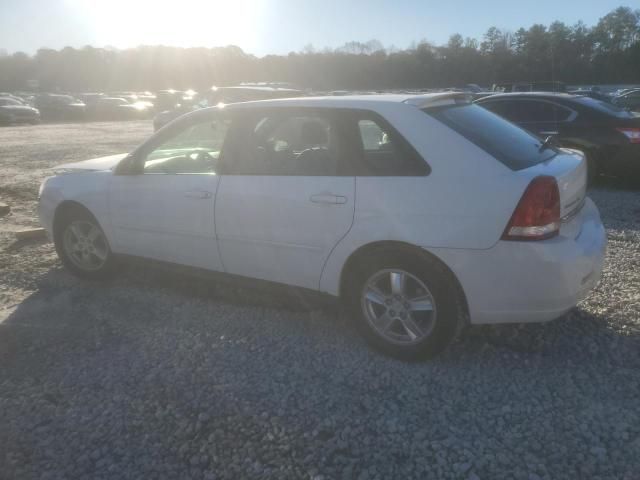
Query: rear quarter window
(604, 107)
(509, 144)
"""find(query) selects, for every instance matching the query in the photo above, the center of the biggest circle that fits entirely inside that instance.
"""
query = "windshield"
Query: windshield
(508, 143)
(8, 101)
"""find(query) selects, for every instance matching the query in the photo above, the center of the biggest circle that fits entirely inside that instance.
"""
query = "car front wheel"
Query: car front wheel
(83, 246)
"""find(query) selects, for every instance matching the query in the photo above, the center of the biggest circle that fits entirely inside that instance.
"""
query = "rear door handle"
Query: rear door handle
(200, 194)
(549, 133)
(328, 198)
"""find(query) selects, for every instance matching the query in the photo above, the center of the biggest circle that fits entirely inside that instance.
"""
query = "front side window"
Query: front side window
(281, 144)
(509, 144)
(196, 149)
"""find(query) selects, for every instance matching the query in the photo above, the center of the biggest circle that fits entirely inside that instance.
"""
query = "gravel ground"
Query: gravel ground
(163, 376)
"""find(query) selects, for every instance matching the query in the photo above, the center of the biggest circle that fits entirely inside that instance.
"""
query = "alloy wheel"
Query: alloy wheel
(85, 245)
(399, 306)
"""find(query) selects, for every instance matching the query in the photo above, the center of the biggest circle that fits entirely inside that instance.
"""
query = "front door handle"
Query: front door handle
(549, 133)
(328, 198)
(201, 194)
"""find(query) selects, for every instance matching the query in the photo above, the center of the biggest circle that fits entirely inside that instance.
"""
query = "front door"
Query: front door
(165, 210)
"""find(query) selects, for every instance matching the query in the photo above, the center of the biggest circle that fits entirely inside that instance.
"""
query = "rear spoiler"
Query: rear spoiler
(440, 99)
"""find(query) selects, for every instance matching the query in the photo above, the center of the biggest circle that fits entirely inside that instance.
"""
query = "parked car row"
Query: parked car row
(15, 111)
(53, 107)
(601, 125)
(629, 99)
(218, 95)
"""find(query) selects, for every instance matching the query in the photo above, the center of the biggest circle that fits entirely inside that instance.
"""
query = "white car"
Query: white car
(422, 213)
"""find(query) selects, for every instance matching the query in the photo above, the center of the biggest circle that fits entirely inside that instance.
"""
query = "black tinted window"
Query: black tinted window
(528, 110)
(280, 144)
(537, 111)
(604, 107)
(505, 141)
(384, 152)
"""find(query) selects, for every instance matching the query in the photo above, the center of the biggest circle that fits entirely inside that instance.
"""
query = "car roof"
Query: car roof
(532, 95)
(361, 101)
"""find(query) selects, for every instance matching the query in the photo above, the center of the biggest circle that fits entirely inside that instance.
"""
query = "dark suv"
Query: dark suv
(607, 134)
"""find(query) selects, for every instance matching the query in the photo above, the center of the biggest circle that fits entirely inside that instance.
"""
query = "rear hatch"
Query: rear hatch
(516, 149)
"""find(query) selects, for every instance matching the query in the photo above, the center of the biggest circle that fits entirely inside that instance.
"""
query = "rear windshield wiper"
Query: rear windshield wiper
(546, 143)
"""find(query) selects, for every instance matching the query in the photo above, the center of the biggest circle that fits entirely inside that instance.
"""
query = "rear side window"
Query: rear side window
(535, 111)
(506, 142)
(377, 148)
(384, 153)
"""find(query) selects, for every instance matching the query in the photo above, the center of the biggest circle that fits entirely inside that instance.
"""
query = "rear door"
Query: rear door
(542, 117)
(282, 203)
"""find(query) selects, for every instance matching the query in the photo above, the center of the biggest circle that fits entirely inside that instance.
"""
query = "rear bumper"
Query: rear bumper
(516, 282)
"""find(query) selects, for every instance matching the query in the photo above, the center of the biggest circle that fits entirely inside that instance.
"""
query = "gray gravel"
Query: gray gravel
(157, 375)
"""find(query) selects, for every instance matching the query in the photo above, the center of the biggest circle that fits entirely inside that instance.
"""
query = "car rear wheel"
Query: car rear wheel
(83, 247)
(407, 307)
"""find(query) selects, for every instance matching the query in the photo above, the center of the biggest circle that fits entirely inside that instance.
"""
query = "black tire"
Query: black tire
(107, 267)
(444, 289)
(592, 168)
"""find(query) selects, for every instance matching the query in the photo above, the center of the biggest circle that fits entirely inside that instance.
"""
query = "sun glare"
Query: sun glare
(186, 23)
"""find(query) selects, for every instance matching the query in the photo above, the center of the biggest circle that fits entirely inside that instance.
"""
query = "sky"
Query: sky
(264, 27)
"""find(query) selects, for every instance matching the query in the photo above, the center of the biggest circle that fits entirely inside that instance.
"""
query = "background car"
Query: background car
(54, 107)
(629, 100)
(550, 86)
(111, 108)
(593, 92)
(12, 96)
(419, 212)
(216, 95)
(609, 135)
(14, 111)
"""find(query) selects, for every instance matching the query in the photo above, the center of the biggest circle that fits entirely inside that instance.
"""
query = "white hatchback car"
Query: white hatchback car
(420, 212)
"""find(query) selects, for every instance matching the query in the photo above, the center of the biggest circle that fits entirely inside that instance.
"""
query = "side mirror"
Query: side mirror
(128, 166)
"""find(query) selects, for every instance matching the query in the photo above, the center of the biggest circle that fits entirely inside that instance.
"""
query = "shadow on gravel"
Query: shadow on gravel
(618, 183)
(65, 309)
(165, 366)
(18, 244)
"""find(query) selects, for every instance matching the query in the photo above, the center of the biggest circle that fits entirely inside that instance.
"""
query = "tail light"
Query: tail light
(537, 216)
(633, 134)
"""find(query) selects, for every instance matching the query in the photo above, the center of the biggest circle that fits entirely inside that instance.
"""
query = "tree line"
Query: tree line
(608, 52)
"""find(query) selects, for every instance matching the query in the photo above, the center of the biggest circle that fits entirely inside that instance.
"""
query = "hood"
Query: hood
(95, 164)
